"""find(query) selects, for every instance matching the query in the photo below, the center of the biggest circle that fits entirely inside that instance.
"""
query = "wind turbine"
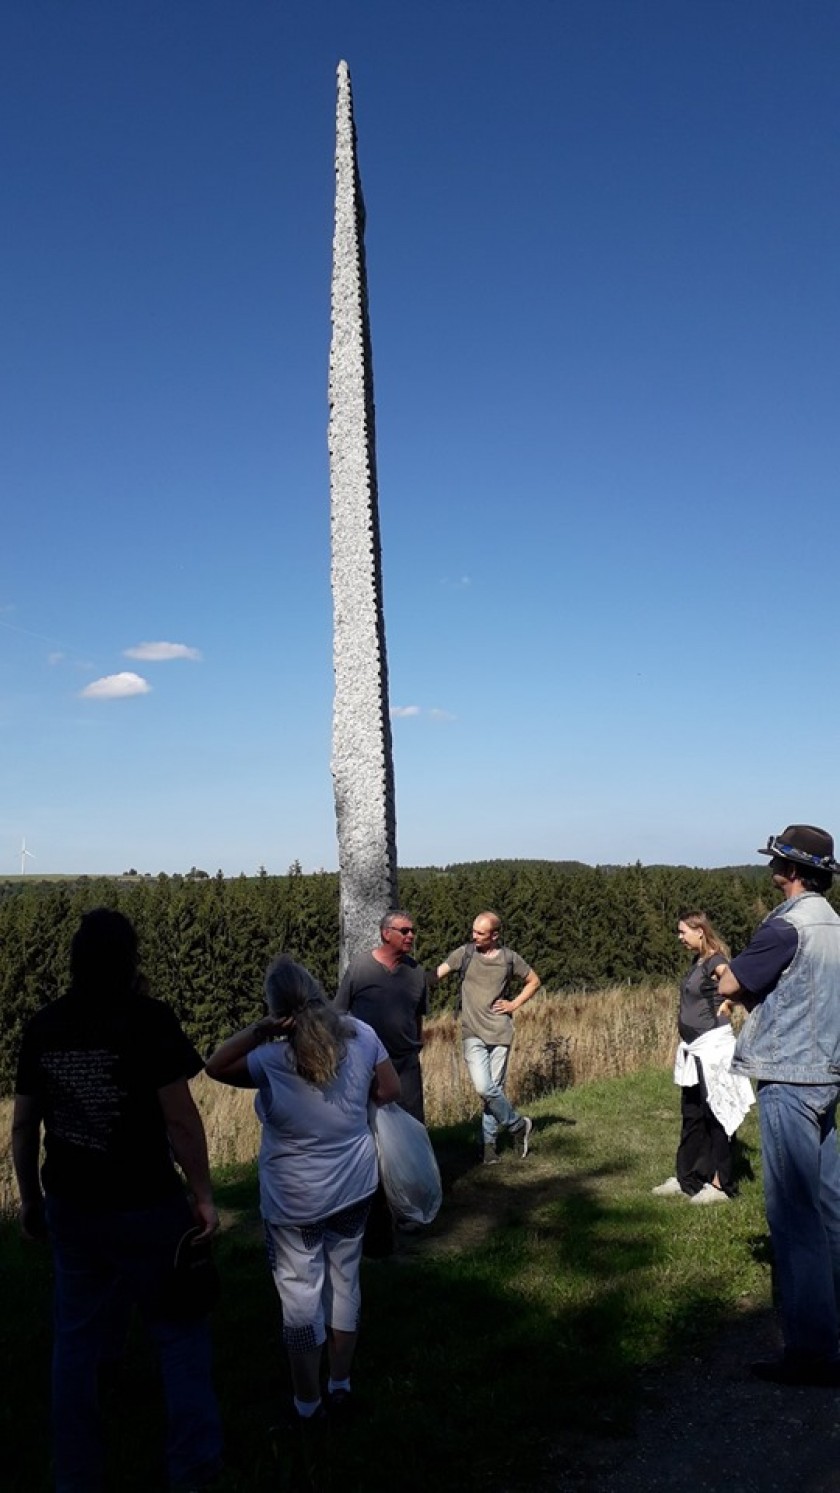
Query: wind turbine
(23, 854)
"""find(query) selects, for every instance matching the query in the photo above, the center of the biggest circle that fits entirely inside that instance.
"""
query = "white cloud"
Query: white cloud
(115, 687)
(55, 658)
(459, 583)
(400, 712)
(441, 715)
(155, 653)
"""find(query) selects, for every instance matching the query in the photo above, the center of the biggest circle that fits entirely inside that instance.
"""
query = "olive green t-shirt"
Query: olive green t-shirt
(485, 982)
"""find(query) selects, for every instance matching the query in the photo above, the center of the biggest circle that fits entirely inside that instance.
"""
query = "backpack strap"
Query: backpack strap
(469, 950)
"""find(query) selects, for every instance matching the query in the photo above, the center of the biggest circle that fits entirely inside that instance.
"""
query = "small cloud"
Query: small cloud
(55, 658)
(155, 653)
(400, 712)
(457, 583)
(441, 715)
(115, 687)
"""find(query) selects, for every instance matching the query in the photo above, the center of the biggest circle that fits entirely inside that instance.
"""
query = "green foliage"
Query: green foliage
(205, 941)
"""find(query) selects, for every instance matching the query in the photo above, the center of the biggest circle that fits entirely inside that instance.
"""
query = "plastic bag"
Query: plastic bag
(407, 1164)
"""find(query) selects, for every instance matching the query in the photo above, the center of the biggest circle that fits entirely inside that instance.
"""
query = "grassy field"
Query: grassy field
(517, 1325)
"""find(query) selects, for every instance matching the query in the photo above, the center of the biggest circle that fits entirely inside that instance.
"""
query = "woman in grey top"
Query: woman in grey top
(704, 1154)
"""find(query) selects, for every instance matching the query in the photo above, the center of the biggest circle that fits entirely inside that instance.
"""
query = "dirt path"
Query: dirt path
(705, 1425)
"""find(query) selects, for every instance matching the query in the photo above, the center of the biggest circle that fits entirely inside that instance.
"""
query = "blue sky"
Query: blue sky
(602, 255)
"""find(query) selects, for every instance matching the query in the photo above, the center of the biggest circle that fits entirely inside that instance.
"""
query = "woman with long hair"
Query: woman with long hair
(704, 1155)
(315, 1071)
(104, 1073)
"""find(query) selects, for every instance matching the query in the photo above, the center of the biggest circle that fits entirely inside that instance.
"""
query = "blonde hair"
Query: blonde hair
(318, 1037)
(712, 941)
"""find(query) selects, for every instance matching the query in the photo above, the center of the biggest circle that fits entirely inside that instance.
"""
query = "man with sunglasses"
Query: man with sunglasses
(387, 989)
(788, 978)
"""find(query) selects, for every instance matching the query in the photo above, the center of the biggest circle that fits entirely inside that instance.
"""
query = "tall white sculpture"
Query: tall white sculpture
(362, 761)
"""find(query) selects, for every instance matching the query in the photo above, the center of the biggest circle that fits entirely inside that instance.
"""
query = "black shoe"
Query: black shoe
(342, 1406)
(317, 1461)
(797, 1371)
(301, 1447)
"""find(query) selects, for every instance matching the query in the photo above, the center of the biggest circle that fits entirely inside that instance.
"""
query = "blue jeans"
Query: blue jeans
(802, 1199)
(104, 1263)
(487, 1067)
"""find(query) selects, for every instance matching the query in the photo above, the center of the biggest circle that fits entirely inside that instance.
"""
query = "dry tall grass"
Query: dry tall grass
(560, 1040)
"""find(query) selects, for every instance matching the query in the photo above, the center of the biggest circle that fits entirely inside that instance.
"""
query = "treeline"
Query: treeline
(205, 942)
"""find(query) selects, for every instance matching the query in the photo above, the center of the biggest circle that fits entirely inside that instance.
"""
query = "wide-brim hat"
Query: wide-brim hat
(805, 845)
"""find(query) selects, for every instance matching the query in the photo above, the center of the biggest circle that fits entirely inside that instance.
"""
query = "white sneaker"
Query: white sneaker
(667, 1189)
(709, 1194)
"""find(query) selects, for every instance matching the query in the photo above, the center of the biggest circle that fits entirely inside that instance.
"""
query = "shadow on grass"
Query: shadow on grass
(472, 1372)
(519, 1323)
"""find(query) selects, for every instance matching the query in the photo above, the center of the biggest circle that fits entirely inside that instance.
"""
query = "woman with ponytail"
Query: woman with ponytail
(315, 1071)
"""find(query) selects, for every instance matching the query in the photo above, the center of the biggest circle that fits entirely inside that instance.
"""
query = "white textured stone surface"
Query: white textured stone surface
(362, 763)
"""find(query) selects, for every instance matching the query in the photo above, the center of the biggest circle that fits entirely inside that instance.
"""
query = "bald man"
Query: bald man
(487, 971)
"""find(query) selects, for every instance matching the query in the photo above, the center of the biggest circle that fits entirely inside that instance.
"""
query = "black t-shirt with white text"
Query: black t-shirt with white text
(95, 1070)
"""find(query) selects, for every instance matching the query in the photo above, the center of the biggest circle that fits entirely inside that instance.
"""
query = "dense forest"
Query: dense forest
(206, 940)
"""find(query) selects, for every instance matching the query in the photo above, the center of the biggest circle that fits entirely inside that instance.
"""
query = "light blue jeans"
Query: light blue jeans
(802, 1198)
(487, 1067)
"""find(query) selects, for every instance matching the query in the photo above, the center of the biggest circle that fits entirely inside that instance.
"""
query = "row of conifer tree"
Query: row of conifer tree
(205, 942)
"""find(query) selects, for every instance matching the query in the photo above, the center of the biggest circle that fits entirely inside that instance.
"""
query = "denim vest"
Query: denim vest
(793, 1034)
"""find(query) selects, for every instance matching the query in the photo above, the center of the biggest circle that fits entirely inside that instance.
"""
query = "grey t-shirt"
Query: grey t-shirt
(485, 982)
(700, 999)
(392, 1001)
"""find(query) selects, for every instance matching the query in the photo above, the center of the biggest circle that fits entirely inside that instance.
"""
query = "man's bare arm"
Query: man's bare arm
(531, 986)
(727, 984)
(26, 1147)
(186, 1136)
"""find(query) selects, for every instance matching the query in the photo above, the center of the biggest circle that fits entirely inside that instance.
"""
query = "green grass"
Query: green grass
(517, 1324)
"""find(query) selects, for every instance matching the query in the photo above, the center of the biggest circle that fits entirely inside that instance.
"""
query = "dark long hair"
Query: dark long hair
(103, 957)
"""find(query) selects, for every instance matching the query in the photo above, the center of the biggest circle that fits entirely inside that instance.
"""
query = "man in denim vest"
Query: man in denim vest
(788, 978)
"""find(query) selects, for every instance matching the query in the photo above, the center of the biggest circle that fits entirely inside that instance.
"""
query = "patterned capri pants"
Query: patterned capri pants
(316, 1271)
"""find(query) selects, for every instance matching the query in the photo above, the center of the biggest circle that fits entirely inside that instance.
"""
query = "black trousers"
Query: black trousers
(411, 1079)
(705, 1150)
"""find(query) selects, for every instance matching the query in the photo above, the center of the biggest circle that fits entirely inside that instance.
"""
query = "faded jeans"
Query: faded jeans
(103, 1263)
(802, 1199)
(487, 1067)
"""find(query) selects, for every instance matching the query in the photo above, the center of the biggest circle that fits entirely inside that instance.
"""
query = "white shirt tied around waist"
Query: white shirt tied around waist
(730, 1096)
